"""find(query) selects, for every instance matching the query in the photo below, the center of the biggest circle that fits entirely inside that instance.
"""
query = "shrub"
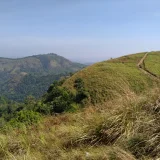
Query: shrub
(81, 91)
(73, 108)
(81, 95)
(62, 102)
(79, 84)
(61, 99)
(42, 108)
(25, 117)
(58, 98)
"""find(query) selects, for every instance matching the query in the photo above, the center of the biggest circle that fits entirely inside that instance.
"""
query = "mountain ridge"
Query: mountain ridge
(116, 77)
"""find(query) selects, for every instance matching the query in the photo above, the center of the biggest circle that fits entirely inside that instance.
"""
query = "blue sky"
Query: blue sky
(82, 30)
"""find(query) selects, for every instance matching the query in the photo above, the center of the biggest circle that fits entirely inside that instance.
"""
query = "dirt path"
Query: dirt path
(142, 61)
(141, 66)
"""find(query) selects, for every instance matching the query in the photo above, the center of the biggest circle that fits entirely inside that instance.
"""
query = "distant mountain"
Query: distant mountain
(20, 77)
(89, 63)
(39, 63)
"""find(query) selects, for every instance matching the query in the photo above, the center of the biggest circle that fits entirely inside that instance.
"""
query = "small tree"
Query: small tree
(25, 117)
(59, 98)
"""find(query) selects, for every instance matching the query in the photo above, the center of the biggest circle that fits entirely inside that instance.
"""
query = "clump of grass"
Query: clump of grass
(137, 146)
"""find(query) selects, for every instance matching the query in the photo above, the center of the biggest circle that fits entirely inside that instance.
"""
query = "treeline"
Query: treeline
(56, 100)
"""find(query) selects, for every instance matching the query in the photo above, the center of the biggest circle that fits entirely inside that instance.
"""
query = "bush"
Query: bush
(73, 108)
(26, 117)
(61, 99)
(58, 98)
(81, 91)
(79, 84)
(62, 102)
(81, 95)
(42, 108)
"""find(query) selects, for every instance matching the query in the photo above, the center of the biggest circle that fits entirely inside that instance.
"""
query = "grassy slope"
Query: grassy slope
(152, 63)
(111, 79)
(121, 129)
(129, 130)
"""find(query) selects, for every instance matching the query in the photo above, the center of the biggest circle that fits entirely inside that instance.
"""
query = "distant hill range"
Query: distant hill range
(32, 75)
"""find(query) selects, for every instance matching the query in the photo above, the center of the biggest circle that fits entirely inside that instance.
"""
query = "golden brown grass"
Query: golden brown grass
(110, 80)
(109, 132)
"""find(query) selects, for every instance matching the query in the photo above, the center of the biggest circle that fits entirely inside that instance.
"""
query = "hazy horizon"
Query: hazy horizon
(86, 30)
(85, 61)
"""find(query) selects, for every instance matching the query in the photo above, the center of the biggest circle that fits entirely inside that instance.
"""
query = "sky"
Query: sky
(80, 30)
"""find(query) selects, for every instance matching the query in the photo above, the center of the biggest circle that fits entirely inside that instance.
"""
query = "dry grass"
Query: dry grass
(123, 123)
(110, 80)
(128, 131)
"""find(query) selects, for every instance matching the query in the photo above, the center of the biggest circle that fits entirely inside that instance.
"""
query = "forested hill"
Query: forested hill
(32, 75)
(39, 63)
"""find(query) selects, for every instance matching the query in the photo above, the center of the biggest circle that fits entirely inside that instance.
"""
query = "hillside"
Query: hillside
(118, 77)
(107, 111)
(19, 77)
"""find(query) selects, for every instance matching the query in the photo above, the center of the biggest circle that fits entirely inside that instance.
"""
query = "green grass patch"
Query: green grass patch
(152, 63)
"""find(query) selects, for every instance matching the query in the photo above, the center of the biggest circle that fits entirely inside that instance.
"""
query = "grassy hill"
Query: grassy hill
(116, 78)
(20, 77)
(119, 120)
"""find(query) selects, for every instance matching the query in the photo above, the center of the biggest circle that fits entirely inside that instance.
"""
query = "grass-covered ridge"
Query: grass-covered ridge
(114, 78)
